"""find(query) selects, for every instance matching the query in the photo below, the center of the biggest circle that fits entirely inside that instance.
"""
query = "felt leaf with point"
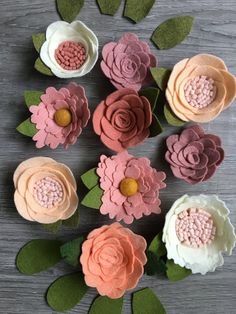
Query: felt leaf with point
(32, 97)
(27, 128)
(42, 68)
(137, 10)
(146, 302)
(108, 7)
(69, 9)
(175, 272)
(161, 77)
(171, 118)
(93, 198)
(106, 305)
(90, 178)
(71, 251)
(38, 40)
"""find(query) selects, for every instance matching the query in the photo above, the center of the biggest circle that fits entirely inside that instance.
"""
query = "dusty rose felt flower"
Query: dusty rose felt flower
(60, 116)
(45, 190)
(126, 62)
(123, 119)
(112, 260)
(200, 88)
(193, 155)
(131, 187)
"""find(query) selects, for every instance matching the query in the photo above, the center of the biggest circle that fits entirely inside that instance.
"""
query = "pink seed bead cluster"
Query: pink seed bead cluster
(48, 192)
(200, 91)
(195, 228)
(70, 55)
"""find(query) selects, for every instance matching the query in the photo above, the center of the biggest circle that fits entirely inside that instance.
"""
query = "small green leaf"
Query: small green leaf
(171, 118)
(90, 178)
(109, 7)
(161, 77)
(93, 198)
(71, 251)
(27, 128)
(151, 93)
(73, 221)
(155, 128)
(106, 306)
(136, 10)
(175, 272)
(42, 68)
(69, 9)
(172, 32)
(157, 246)
(32, 97)
(54, 228)
(146, 302)
(38, 255)
(38, 40)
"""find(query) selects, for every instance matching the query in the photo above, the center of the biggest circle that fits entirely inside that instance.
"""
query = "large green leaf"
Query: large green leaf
(90, 178)
(109, 7)
(69, 9)
(136, 10)
(93, 198)
(71, 251)
(146, 302)
(104, 305)
(175, 272)
(27, 128)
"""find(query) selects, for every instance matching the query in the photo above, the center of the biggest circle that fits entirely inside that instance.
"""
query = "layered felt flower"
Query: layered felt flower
(123, 119)
(193, 155)
(112, 260)
(197, 231)
(60, 116)
(126, 62)
(200, 88)
(70, 50)
(45, 190)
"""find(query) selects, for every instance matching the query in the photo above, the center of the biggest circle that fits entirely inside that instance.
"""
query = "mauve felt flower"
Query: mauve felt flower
(112, 260)
(61, 116)
(126, 62)
(131, 187)
(123, 119)
(45, 190)
(193, 155)
(200, 88)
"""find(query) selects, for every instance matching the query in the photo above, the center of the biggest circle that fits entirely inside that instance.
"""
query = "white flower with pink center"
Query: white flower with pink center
(197, 231)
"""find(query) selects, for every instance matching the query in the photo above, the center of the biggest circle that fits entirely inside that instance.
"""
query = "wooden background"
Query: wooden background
(214, 32)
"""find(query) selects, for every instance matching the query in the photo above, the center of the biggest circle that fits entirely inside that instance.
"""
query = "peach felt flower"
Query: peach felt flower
(112, 260)
(45, 190)
(200, 88)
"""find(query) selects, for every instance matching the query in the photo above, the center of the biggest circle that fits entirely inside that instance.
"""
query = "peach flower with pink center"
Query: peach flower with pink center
(200, 88)
(112, 260)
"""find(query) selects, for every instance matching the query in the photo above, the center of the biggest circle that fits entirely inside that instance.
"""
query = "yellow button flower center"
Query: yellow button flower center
(128, 187)
(63, 117)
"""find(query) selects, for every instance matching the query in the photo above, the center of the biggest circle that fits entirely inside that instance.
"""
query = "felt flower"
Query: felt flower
(193, 155)
(131, 187)
(112, 260)
(200, 88)
(197, 230)
(45, 190)
(70, 50)
(126, 62)
(123, 119)
(60, 116)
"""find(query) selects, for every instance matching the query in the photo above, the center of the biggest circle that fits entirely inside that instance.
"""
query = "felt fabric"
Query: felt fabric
(90, 178)
(38, 255)
(27, 128)
(112, 260)
(106, 305)
(172, 32)
(66, 292)
(126, 63)
(155, 127)
(93, 198)
(161, 77)
(109, 7)
(193, 155)
(137, 10)
(151, 93)
(123, 119)
(71, 251)
(171, 118)
(38, 40)
(32, 97)
(175, 272)
(69, 9)
(146, 302)
(54, 227)
(73, 221)
(41, 67)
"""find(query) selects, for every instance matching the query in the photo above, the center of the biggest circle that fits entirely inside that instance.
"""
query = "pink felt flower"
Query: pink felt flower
(126, 62)
(60, 116)
(131, 187)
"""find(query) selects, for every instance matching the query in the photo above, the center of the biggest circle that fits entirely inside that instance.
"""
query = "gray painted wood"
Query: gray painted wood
(214, 32)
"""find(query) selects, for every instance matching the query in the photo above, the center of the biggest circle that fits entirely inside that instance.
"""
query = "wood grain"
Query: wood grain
(214, 32)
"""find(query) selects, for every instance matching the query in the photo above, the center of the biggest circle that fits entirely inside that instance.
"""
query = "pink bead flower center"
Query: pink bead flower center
(70, 55)
(195, 227)
(48, 192)
(200, 91)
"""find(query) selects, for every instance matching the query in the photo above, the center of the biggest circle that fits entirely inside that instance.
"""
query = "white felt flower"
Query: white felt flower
(193, 219)
(60, 33)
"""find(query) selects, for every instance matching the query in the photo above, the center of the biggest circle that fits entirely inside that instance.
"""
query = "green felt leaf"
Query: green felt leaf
(146, 302)
(171, 118)
(66, 292)
(69, 9)
(157, 246)
(27, 128)
(175, 272)
(109, 7)
(105, 305)
(161, 77)
(42, 68)
(90, 178)
(71, 251)
(93, 198)
(136, 10)
(55, 227)
(32, 97)
(73, 221)
(172, 32)
(38, 40)
(155, 128)
(38, 255)
(151, 93)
